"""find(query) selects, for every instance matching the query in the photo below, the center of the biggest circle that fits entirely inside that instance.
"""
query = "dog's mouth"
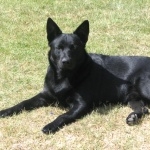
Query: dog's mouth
(66, 67)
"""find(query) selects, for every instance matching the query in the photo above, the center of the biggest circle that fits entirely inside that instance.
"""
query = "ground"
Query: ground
(117, 27)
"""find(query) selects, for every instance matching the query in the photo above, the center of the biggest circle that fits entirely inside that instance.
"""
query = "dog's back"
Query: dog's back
(124, 67)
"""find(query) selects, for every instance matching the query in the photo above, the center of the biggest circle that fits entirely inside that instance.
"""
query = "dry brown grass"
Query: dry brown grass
(95, 131)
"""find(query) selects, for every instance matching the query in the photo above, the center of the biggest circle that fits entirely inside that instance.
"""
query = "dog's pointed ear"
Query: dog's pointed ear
(83, 31)
(52, 30)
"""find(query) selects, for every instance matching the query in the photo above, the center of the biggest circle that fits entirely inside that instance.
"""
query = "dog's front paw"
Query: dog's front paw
(50, 128)
(133, 118)
(5, 113)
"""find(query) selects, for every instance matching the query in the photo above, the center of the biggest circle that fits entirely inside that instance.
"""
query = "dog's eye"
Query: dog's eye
(60, 47)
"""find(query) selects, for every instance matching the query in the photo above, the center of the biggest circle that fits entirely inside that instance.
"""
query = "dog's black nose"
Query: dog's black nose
(65, 61)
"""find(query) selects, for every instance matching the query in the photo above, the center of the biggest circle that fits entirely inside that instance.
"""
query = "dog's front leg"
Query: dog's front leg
(37, 101)
(79, 109)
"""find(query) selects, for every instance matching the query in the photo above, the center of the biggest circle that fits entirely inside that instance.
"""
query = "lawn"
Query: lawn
(117, 27)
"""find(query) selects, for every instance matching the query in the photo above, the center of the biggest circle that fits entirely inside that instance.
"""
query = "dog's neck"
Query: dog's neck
(82, 71)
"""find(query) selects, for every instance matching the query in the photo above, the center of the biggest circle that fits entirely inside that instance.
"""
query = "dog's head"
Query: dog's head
(67, 51)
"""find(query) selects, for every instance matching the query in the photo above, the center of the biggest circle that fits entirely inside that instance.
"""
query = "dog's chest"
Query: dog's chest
(60, 88)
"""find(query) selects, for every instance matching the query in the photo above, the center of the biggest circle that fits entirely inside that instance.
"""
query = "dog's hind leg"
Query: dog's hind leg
(37, 101)
(138, 106)
(139, 110)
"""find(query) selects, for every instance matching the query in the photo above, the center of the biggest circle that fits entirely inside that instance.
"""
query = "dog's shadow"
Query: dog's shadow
(105, 109)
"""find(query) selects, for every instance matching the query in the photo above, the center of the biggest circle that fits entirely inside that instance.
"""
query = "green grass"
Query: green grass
(117, 27)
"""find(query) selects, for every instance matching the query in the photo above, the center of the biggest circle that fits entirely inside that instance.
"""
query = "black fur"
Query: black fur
(80, 81)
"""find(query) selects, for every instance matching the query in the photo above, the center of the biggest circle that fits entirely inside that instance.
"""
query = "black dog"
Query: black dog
(80, 81)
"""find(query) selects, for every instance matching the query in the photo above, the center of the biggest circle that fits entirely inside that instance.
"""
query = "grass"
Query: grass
(117, 27)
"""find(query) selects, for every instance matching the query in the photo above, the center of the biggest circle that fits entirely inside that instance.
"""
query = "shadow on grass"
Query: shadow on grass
(104, 109)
